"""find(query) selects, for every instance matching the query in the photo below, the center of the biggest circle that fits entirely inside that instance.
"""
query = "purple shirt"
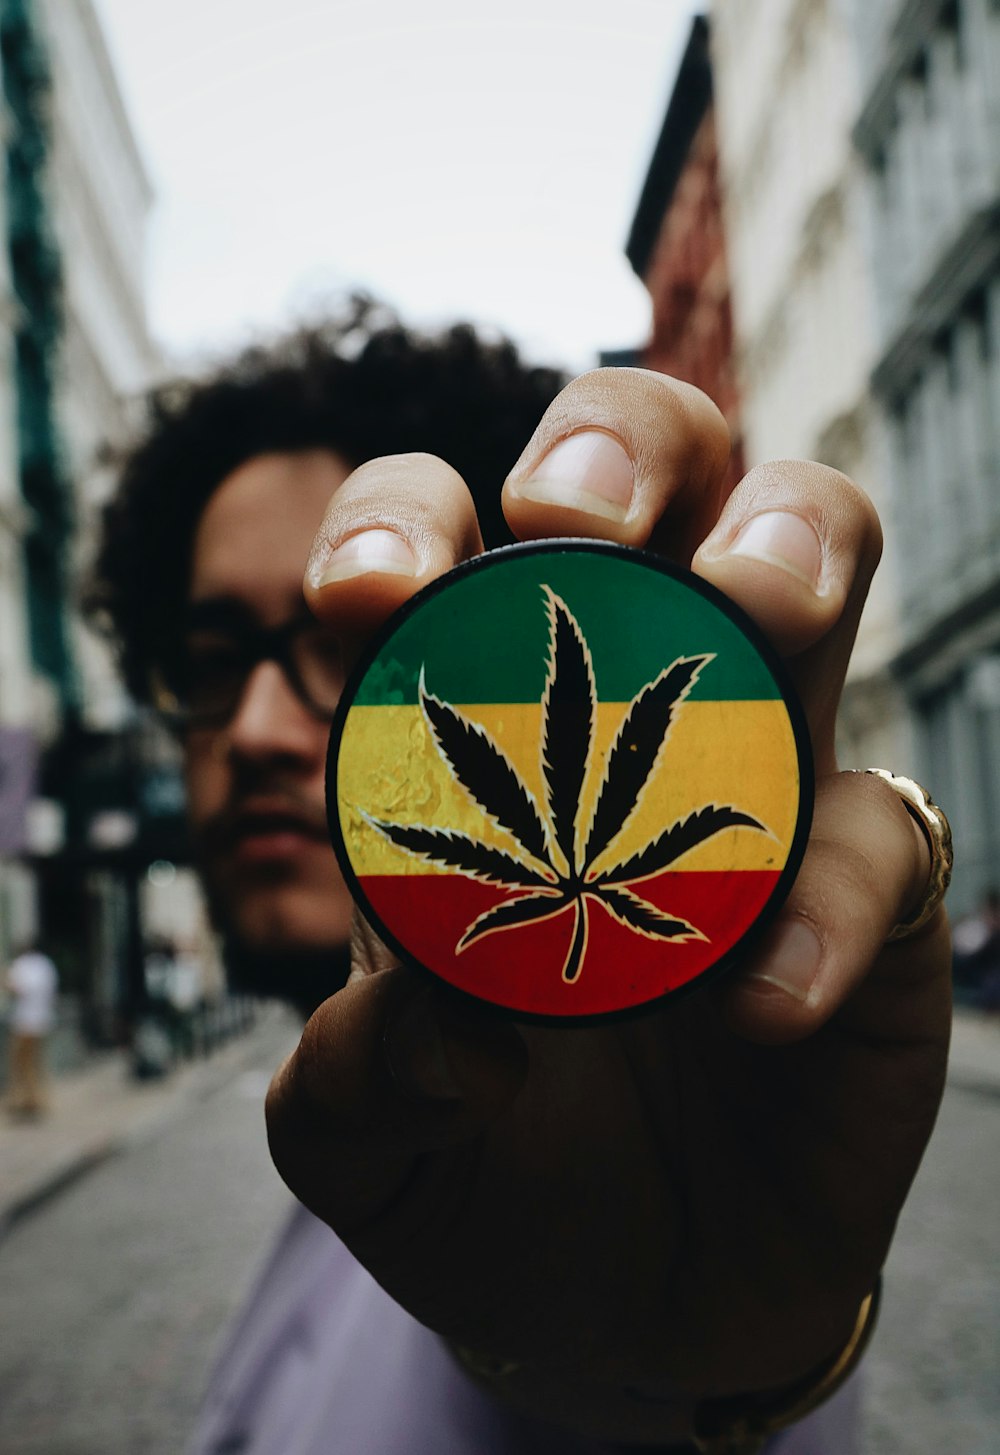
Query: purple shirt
(323, 1362)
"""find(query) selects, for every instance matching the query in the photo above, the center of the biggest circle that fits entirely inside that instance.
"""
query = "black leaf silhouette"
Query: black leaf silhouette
(635, 750)
(509, 912)
(640, 915)
(569, 713)
(679, 838)
(485, 772)
(569, 716)
(453, 850)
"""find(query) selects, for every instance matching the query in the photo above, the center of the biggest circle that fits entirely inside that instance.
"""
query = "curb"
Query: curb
(54, 1182)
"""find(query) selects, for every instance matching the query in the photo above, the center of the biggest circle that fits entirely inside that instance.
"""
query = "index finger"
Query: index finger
(393, 526)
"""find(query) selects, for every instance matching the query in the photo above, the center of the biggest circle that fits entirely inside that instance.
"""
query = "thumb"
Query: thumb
(389, 1069)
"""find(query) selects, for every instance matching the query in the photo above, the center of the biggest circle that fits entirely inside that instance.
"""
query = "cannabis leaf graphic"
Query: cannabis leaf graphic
(557, 872)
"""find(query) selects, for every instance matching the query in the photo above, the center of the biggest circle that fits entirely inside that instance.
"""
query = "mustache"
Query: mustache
(262, 800)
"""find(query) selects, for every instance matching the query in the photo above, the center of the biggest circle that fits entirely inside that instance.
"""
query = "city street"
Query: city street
(932, 1370)
(113, 1292)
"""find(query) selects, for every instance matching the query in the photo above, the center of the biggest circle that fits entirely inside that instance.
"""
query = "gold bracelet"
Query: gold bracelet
(740, 1424)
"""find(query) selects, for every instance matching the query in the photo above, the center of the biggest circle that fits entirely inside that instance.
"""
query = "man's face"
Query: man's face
(255, 781)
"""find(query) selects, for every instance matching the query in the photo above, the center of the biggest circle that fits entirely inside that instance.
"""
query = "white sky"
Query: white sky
(482, 161)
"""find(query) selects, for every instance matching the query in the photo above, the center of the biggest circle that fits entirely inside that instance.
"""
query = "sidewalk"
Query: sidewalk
(102, 1110)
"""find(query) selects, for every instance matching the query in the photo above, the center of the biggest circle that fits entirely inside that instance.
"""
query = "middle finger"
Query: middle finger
(624, 455)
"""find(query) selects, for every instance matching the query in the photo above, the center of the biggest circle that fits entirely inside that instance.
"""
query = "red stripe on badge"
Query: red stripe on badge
(519, 967)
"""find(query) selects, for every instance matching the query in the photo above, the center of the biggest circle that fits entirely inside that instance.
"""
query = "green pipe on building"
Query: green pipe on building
(36, 327)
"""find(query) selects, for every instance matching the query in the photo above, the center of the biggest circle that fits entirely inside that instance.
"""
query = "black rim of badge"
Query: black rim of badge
(496, 560)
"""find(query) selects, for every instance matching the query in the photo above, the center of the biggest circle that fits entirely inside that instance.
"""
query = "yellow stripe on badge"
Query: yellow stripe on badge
(730, 752)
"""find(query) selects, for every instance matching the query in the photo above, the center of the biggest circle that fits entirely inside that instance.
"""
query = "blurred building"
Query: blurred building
(788, 93)
(75, 356)
(33, 520)
(18, 738)
(928, 130)
(677, 245)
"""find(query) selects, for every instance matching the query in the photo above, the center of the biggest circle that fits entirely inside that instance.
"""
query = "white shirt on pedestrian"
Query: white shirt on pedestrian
(32, 982)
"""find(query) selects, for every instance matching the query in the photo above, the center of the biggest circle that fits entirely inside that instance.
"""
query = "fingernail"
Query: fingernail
(589, 471)
(781, 539)
(790, 960)
(369, 551)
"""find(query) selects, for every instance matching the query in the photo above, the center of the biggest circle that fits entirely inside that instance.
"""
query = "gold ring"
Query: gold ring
(937, 831)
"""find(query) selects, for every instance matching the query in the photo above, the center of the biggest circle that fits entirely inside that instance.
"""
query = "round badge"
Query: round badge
(569, 779)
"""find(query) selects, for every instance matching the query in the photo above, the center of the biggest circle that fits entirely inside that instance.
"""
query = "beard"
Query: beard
(303, 978)
(284, 922)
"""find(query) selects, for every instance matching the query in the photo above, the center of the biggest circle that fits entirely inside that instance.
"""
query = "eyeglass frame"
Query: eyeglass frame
(261, 644)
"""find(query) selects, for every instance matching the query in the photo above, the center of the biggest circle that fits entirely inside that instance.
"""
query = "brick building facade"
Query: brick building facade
(677, 244)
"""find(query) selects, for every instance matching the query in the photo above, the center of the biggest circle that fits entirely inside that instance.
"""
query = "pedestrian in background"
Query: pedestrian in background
(184, 994)
(32, 984)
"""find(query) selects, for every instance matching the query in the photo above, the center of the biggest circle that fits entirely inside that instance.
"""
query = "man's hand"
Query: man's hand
(692, 1203)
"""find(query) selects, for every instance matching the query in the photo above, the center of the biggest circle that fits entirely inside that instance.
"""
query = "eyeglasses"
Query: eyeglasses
(200, 683)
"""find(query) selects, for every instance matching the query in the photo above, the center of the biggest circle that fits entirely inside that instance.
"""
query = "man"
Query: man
(580, 1240)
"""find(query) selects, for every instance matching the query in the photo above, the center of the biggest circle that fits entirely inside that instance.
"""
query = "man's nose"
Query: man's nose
(271, 722)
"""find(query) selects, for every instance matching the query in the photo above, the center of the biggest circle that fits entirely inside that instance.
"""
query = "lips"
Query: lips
(271, 828)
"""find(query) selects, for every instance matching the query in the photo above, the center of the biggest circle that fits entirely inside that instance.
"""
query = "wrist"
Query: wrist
(732, 1425)
(588, 1405)
(740, 1424)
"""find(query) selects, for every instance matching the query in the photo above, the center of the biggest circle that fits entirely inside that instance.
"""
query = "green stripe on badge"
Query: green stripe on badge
(488, 642)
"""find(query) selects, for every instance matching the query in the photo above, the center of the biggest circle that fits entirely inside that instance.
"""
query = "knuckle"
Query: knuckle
(418, 497)
(842, 512)
(845, 879)
(866, 847)
(403, 476)
(887, 809)
(646, 407)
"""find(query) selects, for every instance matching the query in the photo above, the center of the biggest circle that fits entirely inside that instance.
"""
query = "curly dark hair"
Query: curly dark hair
(360, 384)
